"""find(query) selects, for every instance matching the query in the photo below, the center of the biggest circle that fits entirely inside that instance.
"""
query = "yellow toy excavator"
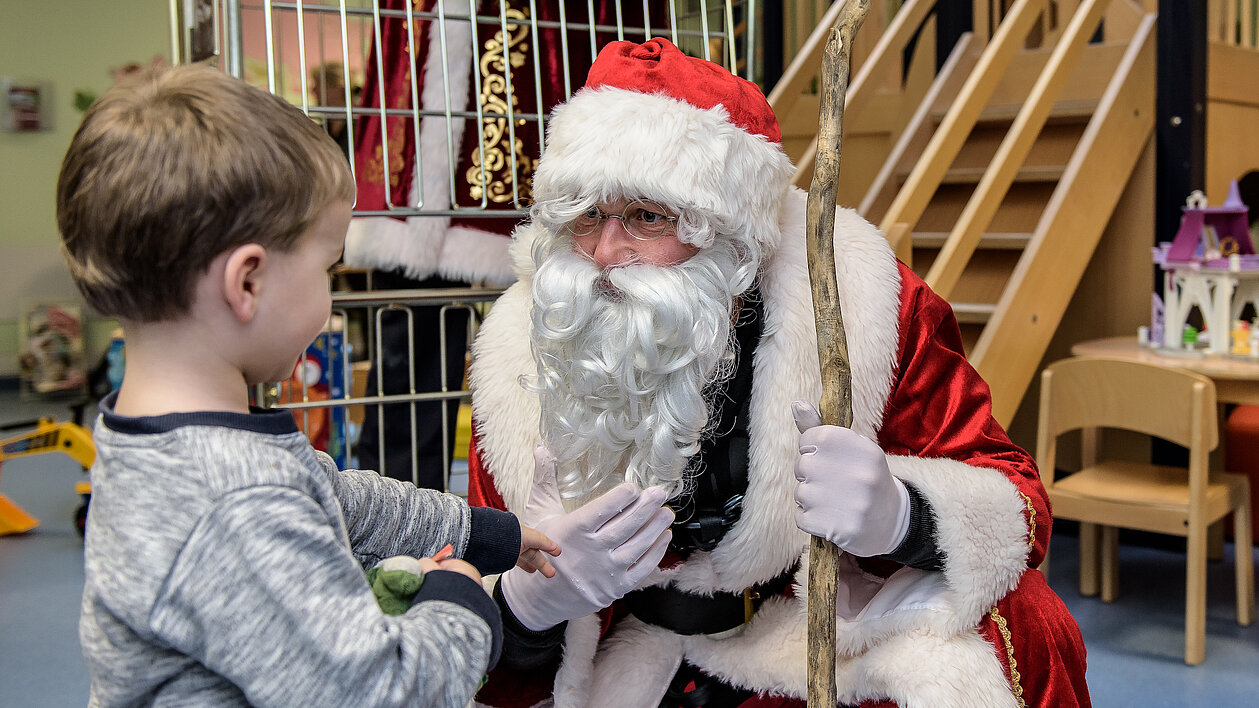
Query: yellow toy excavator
(47, 436)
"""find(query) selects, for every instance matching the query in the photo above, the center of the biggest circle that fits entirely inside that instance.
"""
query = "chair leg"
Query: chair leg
(1244, 565)
(1088, 559)
(1215, 541)
(1110, 563)
(1196, 596)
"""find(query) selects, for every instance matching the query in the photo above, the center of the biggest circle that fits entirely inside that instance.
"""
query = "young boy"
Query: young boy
(225, 557)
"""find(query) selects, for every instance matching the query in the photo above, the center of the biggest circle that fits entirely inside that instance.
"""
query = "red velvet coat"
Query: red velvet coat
(985, 631)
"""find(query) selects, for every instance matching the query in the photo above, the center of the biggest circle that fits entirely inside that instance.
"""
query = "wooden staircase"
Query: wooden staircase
(999, 186)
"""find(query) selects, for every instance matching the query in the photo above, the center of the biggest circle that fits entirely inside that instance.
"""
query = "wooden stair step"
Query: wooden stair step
(989, 241)
(973, 312)
(972, 175)
(1062, 113)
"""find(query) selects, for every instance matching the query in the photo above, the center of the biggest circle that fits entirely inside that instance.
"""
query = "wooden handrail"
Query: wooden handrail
(888, 50)
(984, 202)
(1010, 347)
(1233, 22)
(912, 199)
(804, 66)
(911, 136)
(902, 242)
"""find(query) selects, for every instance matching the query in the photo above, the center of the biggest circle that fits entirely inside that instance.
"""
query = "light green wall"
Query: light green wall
(71, 45)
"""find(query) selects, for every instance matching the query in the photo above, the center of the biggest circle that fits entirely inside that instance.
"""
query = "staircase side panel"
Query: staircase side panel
(1011, 346)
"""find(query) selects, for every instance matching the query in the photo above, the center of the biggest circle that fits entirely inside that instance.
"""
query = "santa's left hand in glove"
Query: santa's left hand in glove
(846, 493)
(610, 546)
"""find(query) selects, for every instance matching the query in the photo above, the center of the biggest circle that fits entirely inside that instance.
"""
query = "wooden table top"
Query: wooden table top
(1236, 378)
(1213, 365)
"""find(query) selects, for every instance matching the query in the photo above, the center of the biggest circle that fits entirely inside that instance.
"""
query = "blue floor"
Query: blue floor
(1134, 645)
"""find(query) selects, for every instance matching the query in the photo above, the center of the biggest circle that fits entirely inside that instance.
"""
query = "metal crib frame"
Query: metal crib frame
(225, 30)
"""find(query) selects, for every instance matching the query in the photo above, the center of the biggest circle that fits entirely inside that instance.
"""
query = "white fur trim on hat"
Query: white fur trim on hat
(609, 142)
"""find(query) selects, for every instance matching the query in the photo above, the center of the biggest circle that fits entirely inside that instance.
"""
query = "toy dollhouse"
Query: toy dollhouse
(1211, 264)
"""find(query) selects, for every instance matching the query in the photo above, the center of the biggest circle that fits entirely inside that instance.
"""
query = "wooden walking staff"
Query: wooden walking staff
(832, 346)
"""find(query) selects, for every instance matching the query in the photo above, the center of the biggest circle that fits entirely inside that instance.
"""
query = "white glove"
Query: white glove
(846, 494)
(607, 548)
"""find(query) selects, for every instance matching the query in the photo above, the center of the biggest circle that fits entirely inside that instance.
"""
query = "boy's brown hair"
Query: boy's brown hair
(171, 169)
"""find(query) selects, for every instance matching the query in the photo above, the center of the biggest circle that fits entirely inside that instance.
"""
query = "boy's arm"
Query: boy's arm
(526, 673)
(266, 594)
(385, 517)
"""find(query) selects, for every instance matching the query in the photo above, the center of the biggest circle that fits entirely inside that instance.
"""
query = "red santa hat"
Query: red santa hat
(654, 123)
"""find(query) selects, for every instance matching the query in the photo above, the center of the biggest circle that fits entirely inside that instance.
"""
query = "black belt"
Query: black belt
(687, 613)
(692, 688)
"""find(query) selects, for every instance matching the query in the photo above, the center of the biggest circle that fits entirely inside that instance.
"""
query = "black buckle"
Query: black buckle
(704, 532)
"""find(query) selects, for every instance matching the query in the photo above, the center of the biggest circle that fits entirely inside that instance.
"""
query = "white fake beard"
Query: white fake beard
(623, 360)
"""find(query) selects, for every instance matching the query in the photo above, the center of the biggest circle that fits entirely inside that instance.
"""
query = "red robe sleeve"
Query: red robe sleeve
(481, 489)
(939, 406)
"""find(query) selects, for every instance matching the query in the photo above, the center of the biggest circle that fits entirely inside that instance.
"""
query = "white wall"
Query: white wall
(71, 45)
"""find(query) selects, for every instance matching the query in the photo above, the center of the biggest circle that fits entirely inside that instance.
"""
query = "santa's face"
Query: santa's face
(630, 231)
(625, 353)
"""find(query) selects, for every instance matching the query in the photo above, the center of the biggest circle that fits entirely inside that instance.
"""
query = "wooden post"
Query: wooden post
(836, 403)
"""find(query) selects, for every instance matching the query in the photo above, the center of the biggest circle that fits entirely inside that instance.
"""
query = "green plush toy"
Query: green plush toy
(394, 582)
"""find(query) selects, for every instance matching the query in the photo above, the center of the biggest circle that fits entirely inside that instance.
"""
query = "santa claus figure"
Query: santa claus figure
(643, 395)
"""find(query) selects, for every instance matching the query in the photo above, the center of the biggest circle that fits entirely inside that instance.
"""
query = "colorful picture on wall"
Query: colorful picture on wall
(50, 349)
(24, 105)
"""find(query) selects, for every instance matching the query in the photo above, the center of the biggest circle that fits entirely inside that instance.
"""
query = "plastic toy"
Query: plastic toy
(320, 375)
(48, 436)
(1211, 264)
(395, 581)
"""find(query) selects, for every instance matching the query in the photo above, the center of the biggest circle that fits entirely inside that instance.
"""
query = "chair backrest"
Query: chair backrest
(1090, 392)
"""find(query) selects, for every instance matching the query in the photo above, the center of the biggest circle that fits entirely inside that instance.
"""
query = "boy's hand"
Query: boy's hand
(534, 549)
(396, 581)
(453, 564)
(460, 566)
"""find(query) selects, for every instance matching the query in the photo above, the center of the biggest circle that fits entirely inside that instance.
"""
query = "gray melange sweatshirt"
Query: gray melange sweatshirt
(225, 566)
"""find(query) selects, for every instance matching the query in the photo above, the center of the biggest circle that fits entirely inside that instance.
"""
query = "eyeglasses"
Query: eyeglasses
(642, 220)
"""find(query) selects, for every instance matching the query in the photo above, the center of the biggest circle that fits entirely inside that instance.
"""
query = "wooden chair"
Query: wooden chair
(1089, 394)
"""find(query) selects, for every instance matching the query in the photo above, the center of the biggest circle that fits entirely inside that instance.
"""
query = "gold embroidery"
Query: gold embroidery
(1015, 678)
(395, 129)
(376, 165)
(1031, 522)
(494, 183)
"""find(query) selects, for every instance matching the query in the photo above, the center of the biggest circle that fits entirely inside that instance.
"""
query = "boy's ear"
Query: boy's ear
(242, 280)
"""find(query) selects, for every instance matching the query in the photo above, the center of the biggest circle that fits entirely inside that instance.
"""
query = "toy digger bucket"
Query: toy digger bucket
(13, 519)
(47, 436)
